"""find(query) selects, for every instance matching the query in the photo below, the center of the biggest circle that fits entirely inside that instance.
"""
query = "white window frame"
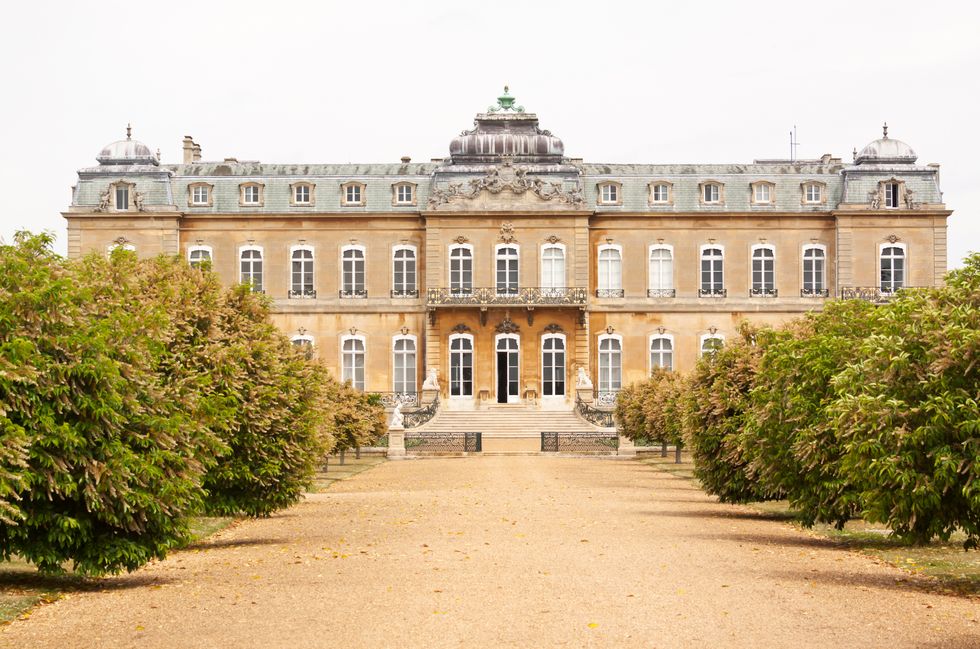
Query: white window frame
(516, 259)
(659, 336)
(769, 188)
(898, 194)
(449, 267)
(602, 283)
(404, 290)
(905, 265)
(399, 200)
(708, 336)
(119, 187)
(807, 186)
(303, 340)
(309, 194)
(659, 246)
(511, 398)
(353, 292)
(823, 272)
(653, 193)
(564, 267)
(289, 269)
(599, 386)
(253, 248)
(394, 355)
(207, 195)
(565, 382)
(609, 193)
(246, 189)
(754, 248)
(701, 249)
(472, 352)
(125, 246)
(360, 190)
(200, 248)
(716, 200)
(363, 340)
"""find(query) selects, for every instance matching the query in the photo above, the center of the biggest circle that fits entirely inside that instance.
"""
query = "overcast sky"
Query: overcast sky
(371, 81)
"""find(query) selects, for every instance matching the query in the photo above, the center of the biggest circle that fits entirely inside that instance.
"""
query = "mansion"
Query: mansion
(507, 266)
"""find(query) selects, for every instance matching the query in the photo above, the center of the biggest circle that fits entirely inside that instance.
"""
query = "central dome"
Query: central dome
(127, 152)
(506, 131)
(885, 150)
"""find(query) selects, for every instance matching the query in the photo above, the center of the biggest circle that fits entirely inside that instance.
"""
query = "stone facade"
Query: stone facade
(507, 265)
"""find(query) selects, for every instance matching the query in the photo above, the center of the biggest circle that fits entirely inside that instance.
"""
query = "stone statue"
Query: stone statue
(104, 199)
(909, 200)
(138, 200)
(397, 418)
(432, 380)
(583, 380)
(875, 199)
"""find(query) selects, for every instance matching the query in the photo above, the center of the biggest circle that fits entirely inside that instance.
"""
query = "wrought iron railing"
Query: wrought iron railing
(579, 442)
(814, 292)
(610, 292)
(489, 296)
(353, 292)
(761, 291)
(418, 417)
(872, 293)
(712, 292)
(405, 292)
(301, 293)
(603, 418)
(443, 442)
(661, 292)
(391, 399)
(605, 398)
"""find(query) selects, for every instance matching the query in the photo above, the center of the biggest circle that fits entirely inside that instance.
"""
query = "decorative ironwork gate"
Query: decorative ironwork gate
(443, 442)
(597, 442)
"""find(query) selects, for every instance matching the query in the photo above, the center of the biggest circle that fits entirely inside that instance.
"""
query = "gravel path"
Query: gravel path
(508, 551)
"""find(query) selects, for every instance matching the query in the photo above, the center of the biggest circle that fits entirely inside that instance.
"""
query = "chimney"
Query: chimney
(197, 152)
(406, 159)
(188, 149)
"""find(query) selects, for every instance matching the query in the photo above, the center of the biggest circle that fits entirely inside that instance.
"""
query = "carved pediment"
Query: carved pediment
(507, 178)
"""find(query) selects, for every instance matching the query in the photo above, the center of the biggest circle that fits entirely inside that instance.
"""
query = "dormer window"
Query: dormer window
(199, 194)
(711, 193)
(762, 193)
(352, 194)
(301, 194)
(661, 193)
(610, 194)
(122, 197)
(892, 197)
(251, 194)
(813, 193)
(403, 194)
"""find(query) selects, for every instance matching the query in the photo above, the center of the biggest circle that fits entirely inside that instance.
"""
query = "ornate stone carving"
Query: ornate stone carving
(104, 199)
(892, 238)
(460, 239)
(553, 239)
(461, 329)
(554, 328)
(874, 198)
(909, 199)
(508, 326)
(138, 200)
(513, 179)
(507, 234)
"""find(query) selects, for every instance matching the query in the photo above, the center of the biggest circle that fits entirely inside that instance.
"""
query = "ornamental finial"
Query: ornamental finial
(129, 131)
(884, 131)
(505, 102)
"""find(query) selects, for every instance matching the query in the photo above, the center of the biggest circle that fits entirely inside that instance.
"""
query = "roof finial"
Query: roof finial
(129, 131)
(884, 131)
(505, 102)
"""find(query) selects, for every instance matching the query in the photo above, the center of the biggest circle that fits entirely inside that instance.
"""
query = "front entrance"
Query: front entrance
(508, 368)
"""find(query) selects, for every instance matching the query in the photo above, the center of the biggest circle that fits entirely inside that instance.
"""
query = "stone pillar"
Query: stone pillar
(429, 395)
(585, 395)
(626, 447)
(396, 443)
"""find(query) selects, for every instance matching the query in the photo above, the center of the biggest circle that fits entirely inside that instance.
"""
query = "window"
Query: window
(609, 194)
(301, 194)
(661, 352)
(891, 195)
(251, 194)
(610, 363)
(122, 197)
(712, 271)
(301, 273)
(304, 343)
(507, 267)
(892, 267)
(352, 194)
(814, 263)
(710, 193)
(198, 255)
(404, 365)
(352, 360)
(553, 266)
(461, 365)
(762, 193)
(404, 194)
(610, 278)
(250, 261)
(121, 245)
(660, 192)
(553, 365)
(403, 282)
(812, 193)
(661, 271)
(352, 272)
(711, 343)
(200, 195)
(461, 269)
(763, 271)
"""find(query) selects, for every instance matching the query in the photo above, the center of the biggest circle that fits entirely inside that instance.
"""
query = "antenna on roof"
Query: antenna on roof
(793, 144)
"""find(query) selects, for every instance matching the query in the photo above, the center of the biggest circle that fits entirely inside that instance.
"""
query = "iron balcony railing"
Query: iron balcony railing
(760, 291)
(391, 399)
(605, 398)
(814, 292)
(356, 293)
(602, 418)
(661, 292)
(302, 293)
(873, 293)
(610, 292)
(405, 293)
(489, 296)
(418, 417)
(712, 292)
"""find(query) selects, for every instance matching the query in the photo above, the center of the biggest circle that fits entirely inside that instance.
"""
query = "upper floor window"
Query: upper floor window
(301, 272)
(122, 197)
(461, 269)
(352, 272)
(814, 265)
(404, 380)
(302, 193)
(250, 265)
(892, 195)
(610, 276)
(352, 360)
(763, 271)
(609, 193)
(892, 264)
(507, 269)
(404, 281)
(661, 269)
(660, 192)
(403, 193)
(200, 195)
(198, 255)
(762, 192)
(711, 193)
(813, 193)
(553, 266)
(711, 344)
(352, 194)
(712, 271)
(661, 351)
(251, 194)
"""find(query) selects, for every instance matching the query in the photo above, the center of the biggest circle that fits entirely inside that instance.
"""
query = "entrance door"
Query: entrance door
(508, 369)
(553, 366)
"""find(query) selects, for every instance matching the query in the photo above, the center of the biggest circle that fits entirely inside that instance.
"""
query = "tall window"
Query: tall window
(461, 270)
(507, 266)
(352, 272)
(301, 273)
(891, 195)
(461, 365)
(661, 271)
(814, 263)
(198, 255)
(553, 365)
(251, 267)
(404, 365)
(610, 363)
(892, 268)
(553, 266)
(122, 197)
(711, 343)
(712, 271)
(352, 361)
(610, 278)
(763, 271)
(662, 352)
(404, 282)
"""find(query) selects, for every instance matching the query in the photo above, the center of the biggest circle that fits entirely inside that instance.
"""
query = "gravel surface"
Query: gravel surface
(508, 551)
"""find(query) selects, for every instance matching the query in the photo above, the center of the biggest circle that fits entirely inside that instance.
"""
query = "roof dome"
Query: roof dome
(886, 151)
(127, 152)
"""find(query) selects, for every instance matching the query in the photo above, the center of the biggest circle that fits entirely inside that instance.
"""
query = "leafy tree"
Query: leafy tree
(663, 407)
(358, 419)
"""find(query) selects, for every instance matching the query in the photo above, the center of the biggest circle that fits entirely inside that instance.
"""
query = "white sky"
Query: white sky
(372, 81)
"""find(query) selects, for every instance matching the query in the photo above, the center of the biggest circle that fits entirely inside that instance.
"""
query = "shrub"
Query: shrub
(663, 409)
(358, 419)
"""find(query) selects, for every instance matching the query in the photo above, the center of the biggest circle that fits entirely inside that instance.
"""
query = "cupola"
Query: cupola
(886, 150)
(127, 152)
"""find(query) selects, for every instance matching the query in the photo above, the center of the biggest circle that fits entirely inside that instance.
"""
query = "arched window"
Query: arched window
(712, 271)
(352, 360)
(892, 262)
(404, 264)
(661, 271)
(610, 363)
(661, 351)
(814, 266)
(198, 255)
(552, 266)
(352, 272)
(250, 261)
(610, 279)
(122, 246)
(461, 365)
(763, 271)
(303, 342)
(711, 343)
(301, 272)
(553, 365)
(404, 381)
(461, 269)
(507, 269)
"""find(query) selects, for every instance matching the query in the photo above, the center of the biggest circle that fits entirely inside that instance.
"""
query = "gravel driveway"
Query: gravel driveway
(508, 551)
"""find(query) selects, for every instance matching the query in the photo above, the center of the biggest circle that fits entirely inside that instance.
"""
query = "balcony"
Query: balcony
(763, 292)
(814, 292)
(610, 292)
(404, 293)
(302, 293)
(874, 294)
(490, 296)
(712, 292)
(353, 293)
(661, 292)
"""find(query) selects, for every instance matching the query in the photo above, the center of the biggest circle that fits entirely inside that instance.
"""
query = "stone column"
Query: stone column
(626, 447)
(396, 443)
